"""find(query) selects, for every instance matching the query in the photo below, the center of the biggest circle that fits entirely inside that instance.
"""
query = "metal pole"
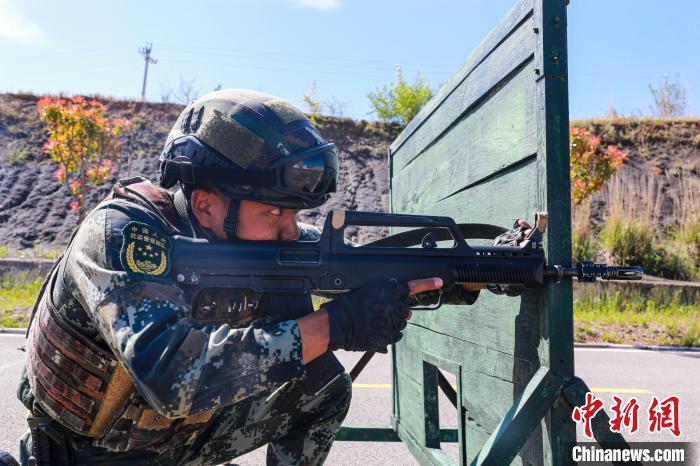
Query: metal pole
(146, 52)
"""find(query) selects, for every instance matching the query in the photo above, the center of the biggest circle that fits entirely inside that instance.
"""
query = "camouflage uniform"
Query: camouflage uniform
(204, 394)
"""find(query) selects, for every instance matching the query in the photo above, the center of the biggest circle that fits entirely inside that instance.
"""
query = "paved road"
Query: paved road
(627, 373)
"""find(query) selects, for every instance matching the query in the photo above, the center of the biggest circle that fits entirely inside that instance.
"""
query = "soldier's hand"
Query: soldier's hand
(372, 317)
(521, 230)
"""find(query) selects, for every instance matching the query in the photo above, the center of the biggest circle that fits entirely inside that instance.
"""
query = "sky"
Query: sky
(617, 48)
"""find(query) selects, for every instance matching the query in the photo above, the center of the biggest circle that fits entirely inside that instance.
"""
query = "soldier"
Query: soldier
(122, 369)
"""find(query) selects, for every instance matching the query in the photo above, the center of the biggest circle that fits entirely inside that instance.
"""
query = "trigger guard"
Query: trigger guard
(429, 308)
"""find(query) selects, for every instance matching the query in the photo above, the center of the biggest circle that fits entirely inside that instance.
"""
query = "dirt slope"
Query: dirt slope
(34, 206)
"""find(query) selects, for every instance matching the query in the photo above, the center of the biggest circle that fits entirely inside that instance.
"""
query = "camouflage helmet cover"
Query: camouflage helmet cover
(247, 132)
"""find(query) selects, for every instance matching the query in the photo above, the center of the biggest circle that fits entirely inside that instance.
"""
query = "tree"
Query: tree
(310, 102)
(84, 143)
(400, 102)
(335, 107)
(591, 163)
(186, 92)
(670, 98)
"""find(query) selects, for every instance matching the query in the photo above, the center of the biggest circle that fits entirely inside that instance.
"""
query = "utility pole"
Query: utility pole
(146, 52)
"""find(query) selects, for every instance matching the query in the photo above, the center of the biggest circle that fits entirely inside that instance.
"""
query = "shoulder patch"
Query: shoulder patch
(145, 251)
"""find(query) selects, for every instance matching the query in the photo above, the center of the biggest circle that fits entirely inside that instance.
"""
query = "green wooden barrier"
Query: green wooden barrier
(493, 146)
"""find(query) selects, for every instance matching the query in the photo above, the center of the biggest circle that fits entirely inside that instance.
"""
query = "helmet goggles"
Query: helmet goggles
(307, 173)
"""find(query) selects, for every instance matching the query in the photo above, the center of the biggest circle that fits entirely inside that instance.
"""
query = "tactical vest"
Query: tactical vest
(83, 387)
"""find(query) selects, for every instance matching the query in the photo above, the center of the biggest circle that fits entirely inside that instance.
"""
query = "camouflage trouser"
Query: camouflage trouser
(299, 429)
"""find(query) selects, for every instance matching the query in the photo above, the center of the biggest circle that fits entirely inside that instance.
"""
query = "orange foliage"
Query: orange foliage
(83, 141)
(591, 163)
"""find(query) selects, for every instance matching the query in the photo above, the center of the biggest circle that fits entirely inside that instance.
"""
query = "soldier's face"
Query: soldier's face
(256, 221)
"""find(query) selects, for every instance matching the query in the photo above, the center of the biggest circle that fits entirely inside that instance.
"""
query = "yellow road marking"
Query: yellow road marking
(628, 391)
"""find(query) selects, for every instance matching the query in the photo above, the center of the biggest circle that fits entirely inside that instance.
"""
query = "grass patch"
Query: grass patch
(17, 297)
(37, 252)
(627, 237)
(17, 154)
(637, 319)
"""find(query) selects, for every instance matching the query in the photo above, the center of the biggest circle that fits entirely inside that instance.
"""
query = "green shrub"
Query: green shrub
(670, 98)
(631, 241)
(400, 102)
(311, 103)
(4, 251)
(583, 244)
(684, 241)
(17, 155)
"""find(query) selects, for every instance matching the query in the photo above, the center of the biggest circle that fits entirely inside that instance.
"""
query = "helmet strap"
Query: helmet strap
(184, 210)
(231, 220)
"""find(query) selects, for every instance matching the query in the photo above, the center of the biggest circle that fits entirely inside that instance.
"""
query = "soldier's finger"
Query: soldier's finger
(523, 223)
(424, 284)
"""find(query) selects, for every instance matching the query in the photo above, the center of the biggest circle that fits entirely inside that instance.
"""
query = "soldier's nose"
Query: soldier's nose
(289, 230)
(290, 233)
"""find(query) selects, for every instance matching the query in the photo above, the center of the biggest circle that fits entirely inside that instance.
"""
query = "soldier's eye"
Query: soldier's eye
(276, 212)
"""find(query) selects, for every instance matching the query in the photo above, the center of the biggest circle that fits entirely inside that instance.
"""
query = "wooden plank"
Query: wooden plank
(477, 400)
(488, 79)
(501, 133)
(554, 186)
(417, 449)
(522, 419)
(507, 325)
(519, 13)
(484, 203)
(476, 361)
(490, 379)
(476, 438)
(411, 403)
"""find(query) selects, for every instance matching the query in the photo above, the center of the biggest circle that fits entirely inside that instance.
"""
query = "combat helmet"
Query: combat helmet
(251, 146)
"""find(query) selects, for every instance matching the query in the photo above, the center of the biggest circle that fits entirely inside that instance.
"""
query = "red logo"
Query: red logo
(627, 415)
(662, 415)
(665, 415)
(587, 412)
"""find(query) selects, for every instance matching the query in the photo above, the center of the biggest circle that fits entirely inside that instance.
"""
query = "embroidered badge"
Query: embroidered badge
(145, 250)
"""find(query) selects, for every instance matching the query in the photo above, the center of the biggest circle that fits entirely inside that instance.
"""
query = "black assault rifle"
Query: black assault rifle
(331, 265)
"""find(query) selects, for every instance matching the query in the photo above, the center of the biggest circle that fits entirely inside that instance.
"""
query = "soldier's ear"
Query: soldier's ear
(204, 207)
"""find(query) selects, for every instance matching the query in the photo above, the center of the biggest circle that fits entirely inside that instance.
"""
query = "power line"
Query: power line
(267, 68)
(285, 56)
(146, 52)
